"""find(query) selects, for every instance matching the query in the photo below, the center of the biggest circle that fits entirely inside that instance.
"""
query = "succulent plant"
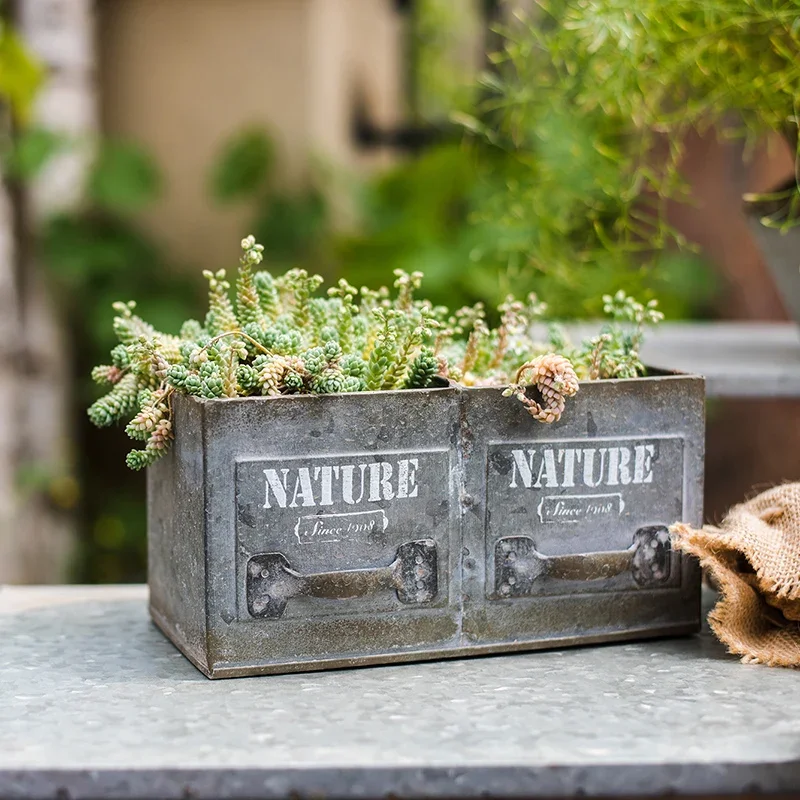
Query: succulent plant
(277, 337)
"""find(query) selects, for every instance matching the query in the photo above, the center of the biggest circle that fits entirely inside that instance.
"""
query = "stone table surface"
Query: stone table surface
(95, 702)
(738, 359)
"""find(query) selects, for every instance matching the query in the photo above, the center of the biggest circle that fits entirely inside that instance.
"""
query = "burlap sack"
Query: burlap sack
(754, 557)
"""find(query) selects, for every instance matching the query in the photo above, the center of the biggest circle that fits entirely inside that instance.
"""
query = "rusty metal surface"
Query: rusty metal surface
(271, 582)
(299, 533)
(520, 568)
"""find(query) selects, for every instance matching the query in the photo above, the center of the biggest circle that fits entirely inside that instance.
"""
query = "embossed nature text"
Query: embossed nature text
(566, 467)
(351, 484)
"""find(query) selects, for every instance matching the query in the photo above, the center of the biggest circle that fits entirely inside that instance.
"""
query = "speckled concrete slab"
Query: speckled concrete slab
(95, 702)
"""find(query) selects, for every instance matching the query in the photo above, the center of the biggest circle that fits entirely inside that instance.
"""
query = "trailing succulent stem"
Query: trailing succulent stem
(277, 337)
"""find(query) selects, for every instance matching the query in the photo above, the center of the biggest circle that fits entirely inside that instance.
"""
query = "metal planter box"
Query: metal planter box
(300, 533)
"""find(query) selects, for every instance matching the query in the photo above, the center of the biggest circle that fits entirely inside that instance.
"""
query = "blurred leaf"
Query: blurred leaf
(443, 37)
(244, 166)
(80, 250)
(292, 227)
(20, 74)
(124, 178)
(469, 122)
(32, 150)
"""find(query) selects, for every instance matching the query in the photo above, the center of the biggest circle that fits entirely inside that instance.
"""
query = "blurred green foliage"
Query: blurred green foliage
(537, 197)
(123, 179)
(294, 224)
(95, 255)
(667, 66)
(606, 92)
(448, 213)
(443, 61)
(33, 148)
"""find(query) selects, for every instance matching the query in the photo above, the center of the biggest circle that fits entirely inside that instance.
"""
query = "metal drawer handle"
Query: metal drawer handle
(518, 564)
(271, 582)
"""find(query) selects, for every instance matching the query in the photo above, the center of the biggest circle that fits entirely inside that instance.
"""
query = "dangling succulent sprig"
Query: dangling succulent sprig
(555, 379)
(153, 406)
(118, 404)
(158, 443)
(107, 374)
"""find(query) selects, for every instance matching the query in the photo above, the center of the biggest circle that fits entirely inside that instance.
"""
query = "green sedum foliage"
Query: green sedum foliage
(279, 338)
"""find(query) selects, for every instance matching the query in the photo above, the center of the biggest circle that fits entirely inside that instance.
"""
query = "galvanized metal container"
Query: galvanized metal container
(300, 533)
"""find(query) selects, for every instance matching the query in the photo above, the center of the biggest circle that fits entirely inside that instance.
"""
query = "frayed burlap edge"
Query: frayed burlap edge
(754, 557)
(766, 530)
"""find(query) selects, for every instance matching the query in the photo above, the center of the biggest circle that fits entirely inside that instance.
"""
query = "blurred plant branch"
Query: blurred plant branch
(618, 87)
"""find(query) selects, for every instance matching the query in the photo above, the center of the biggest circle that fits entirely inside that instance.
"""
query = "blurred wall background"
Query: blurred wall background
(182, 76)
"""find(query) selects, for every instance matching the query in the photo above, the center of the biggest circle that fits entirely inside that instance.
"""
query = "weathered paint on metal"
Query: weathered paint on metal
(301, 533)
